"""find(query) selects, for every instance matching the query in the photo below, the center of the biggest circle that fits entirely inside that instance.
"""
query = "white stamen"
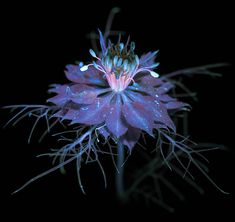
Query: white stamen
(154, 74)
(84, 68)
(121, 45)
(115, 60)
(119, 63)
(125, 64)
(137, 60)
(92, 53)
(95, 65)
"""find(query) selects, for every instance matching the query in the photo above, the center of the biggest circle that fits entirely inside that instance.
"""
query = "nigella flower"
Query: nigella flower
(113, 102)
(118, 91)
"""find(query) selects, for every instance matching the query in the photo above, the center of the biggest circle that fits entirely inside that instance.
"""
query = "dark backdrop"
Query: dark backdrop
(39, 40)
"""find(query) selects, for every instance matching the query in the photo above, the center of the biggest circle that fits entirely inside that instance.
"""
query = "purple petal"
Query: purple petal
(164, 88)
(138, 116)
(102, 43)
(63, 97)
(71, 114)
(166, 98)
(114, 119)
(94, 113)
(149, 80)
(58, 100)
(131, 137)
(148, 59)
(160, 126)
(175, 105)
(56, 88)
(83, 94)
(78, 93)
(148, 89)
(91, 76)
(162, 116)
(59, 114)
(155, 109)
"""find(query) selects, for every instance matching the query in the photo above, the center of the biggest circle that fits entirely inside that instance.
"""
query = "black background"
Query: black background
(39, 40)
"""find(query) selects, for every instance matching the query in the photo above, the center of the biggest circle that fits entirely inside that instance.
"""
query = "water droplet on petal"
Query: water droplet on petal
(98, 103)
(135, 85)
(156, 102)
(68, 90)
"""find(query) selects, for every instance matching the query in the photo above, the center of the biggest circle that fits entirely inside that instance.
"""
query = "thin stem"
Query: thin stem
(198, 69)
(120, 172)
(110, 21)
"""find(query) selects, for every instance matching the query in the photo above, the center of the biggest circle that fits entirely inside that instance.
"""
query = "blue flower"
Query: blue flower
(119, 91)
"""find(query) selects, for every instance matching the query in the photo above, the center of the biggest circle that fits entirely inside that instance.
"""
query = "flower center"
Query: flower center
(120, 64)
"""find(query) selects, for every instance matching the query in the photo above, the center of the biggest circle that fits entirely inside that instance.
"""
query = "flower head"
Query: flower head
(119, 92)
